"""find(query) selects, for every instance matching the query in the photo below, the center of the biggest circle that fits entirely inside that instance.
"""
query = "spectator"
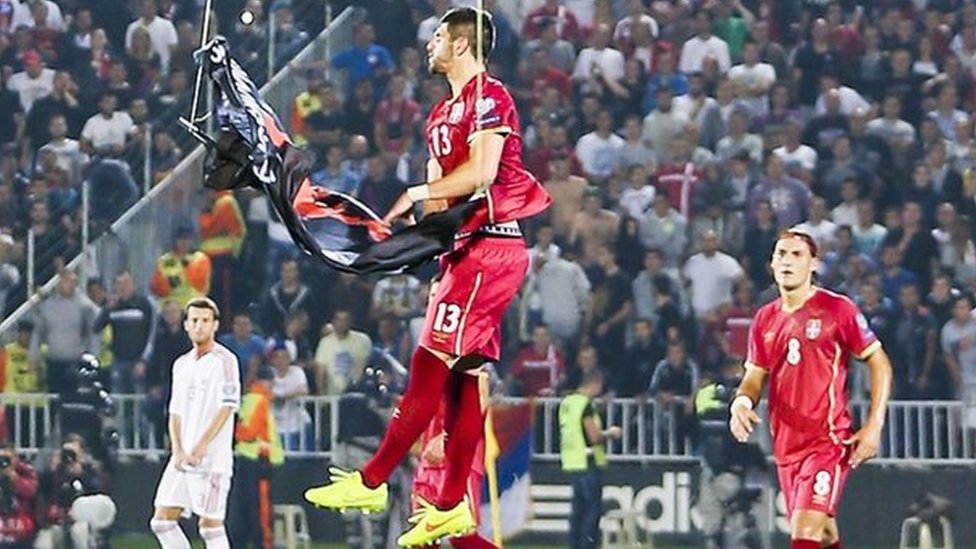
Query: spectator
(728, 224)
(333, 175)
(222, 233)
(563, 296)
(645, 290)
(566, 24)
(738, 139)
(915, 345)
(637, 199)
(426, 28)
(107, 132)
(867, 234)
(644, 353)
(899, 134)
(170, 342)
(818, 225)
(181, 273)
(380, 188)
(710, 276)
(289, 385)
(9, 273)
(398, 295)
(945, 114)
(538, 369)
(593, 227)
(34, 82)
(341, 355)
(62, 101)
(365, 60)
(600, 68)
(599, 150)
(703, 45)
(612, 306)
(51, 248)
(396, 119)
(958, 255)
(845, 213)
(18, 480)
(665, 76)
(894, 277)
(958, 343)
(789, 198)
(392, 343)
(674, 381)
(636, 16)
(65, 322)
(567, 191)
(162, 33)
(12, 119)
(850, 100)
(665, 229)
(634, 151)
(132, 319)
(559, 52)
(919, 252)
(285, 297)
(753, 79)
(248, 347)
(663, 125)
(793, 151)
(811, 59)
(68, 154)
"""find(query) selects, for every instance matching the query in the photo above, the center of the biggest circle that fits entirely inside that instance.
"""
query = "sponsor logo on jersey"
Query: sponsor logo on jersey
(813, 328)
(457, 111)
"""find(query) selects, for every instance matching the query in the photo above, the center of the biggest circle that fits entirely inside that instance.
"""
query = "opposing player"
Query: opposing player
(475, 147)
(206, 393)
(801, 342)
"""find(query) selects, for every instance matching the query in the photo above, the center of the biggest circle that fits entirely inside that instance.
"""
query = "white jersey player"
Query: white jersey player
(205, 394)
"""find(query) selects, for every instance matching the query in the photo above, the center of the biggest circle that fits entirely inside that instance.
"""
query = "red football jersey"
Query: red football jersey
(806, 354)
(485, 105)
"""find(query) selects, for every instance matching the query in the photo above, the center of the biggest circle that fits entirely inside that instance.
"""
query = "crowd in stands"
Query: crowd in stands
(677, 138)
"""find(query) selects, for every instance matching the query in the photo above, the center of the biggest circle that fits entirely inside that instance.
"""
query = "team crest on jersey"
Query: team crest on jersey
(813, 328)
(457, 111)
(484, 105)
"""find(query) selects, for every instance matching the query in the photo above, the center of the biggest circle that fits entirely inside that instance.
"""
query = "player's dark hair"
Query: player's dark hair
(806, 238)
(203, 303)
(463, 22)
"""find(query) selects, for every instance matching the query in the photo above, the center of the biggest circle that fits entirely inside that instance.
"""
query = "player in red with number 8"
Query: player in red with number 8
(475, 146)
(802, 342)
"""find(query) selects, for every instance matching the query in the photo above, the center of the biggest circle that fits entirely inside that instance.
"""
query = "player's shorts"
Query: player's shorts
(478, 282)
(427, 483)
(815, 482)
(200, 493)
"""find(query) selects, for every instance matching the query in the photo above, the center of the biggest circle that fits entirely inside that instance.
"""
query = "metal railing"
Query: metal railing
(139, 236)
(917, 433)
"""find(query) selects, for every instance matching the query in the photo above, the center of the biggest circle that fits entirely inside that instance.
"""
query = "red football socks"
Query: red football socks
(835, 545)
(464, 425)
(472, 541)
(804, 544)
(428, 376)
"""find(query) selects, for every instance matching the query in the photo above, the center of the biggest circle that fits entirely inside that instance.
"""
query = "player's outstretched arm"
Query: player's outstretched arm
(743, 416)
(479, 169)
(867, 439)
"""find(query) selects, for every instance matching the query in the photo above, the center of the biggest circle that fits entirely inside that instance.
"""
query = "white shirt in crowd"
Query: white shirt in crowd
(609, 61)
(750, 77)
(22, 17)
(201, 387)
(711, 280)
(598, 155)
(621, 31)
(850, 101)
(823, 233)
(162, 35)
(102, 132)
(289, 415)
(31, 89)
(695, 50)
(845, 214)
(636, 202)
(804, 155)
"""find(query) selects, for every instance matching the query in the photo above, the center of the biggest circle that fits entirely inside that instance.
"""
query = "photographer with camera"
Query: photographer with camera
(733, 475)
(72, 500)
(18, 492)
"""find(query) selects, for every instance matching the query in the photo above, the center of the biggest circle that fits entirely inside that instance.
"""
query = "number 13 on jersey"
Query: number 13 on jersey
(440, 140)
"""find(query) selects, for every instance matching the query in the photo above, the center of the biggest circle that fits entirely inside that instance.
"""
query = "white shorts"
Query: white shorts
(197, 492)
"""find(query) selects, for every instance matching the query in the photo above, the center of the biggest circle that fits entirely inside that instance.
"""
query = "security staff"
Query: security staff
(583, 456)
(257, 450)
